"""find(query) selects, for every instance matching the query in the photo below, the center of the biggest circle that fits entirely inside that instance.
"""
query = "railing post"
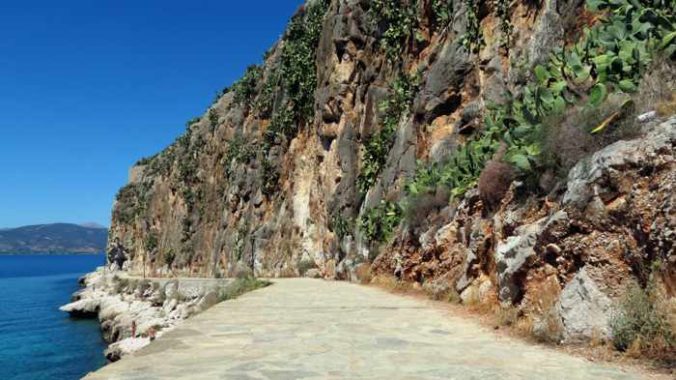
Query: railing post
(253, 255)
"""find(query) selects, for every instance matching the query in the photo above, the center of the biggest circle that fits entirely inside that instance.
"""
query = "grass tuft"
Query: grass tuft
(241, 286)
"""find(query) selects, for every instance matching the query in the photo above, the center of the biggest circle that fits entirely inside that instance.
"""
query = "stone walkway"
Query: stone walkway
(312, 329)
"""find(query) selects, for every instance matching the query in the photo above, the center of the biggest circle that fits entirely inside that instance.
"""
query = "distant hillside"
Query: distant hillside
(53, 238)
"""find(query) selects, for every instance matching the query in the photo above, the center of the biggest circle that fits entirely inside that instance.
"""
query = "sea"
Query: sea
(37, 341)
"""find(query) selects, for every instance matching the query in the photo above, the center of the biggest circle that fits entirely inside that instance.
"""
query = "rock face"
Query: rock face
(257, 183)
(569, 261)
(132, 311)
(284, 173)
(515, 252)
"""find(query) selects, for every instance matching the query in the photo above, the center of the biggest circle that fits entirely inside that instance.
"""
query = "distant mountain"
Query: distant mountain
(53, 238)
(92, 225)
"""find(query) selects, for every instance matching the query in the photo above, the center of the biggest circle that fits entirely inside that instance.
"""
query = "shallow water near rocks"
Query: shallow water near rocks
(37, 341)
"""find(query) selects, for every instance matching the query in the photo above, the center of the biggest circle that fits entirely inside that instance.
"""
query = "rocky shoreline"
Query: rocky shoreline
(133, 311)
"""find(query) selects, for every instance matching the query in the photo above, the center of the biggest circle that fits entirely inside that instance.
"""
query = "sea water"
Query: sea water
(37, 341)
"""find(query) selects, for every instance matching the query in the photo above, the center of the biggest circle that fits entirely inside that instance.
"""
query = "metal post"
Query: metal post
(253, 255)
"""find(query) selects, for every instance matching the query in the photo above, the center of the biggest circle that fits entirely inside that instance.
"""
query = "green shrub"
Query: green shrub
(442, 12)
(151, 242)
(243, 233)
(192, 121)
(399, 21)
(245, 88)
(297, 66)
(473, 39)
(378, 223)
(241, 286)
(186, 229)
(506, 27)
(269, 177)
(341, 226)
(187, 170)
(169, 257)
(377, 147)
(296, 80)
(282, 125)
(306, 265)
(266, 99)
(145, 160)
(161, 164)
(213, 119)
(461, 170)
(240, 150)
(132, 201)
(639, 320)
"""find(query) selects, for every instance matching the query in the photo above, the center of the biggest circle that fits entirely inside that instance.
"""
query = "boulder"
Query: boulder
(313, 273)
(84, 308)
(478, 292)
(513, 253)
(440, 288)
(584, 310)
(116, 351)
(585, 180)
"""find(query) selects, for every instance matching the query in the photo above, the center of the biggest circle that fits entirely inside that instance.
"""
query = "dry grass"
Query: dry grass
(508, 316)
(667, 107)
(364, 274)
(641, 326)
(656, 90)
(524, 327)
(392, 284)
(567, 139)
(545, 325)
(549, 328)
(597, 339)
(489, 307)
(448, 294)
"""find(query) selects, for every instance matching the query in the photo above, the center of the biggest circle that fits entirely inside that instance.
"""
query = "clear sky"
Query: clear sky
(89, 87)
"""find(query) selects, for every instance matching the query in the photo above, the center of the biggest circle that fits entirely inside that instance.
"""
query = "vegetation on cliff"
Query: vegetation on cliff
(449, 143)
(611, 57)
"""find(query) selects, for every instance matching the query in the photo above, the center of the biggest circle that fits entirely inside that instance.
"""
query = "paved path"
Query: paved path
(311, 329)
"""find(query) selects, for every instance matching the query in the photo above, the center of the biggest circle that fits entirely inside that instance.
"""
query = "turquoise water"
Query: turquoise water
(37, 341)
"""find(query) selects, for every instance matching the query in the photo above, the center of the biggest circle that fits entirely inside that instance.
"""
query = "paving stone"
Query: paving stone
(314, 329)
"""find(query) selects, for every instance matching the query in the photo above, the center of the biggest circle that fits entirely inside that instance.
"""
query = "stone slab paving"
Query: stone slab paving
(312, 329)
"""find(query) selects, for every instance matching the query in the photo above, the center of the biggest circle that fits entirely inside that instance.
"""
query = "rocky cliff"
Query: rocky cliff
(133, 311)
(519, 152)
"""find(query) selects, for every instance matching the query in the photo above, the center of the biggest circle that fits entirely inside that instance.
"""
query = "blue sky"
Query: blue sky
(89, 87)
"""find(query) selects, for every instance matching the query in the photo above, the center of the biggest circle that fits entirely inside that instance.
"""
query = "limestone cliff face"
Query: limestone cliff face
(283, 172)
